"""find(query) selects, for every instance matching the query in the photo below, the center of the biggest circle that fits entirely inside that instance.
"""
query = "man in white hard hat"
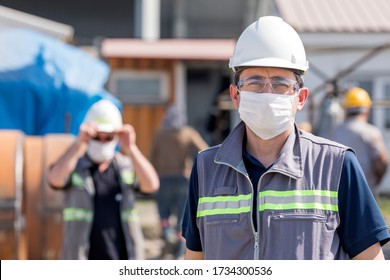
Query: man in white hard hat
(100, 184)
(270, 190)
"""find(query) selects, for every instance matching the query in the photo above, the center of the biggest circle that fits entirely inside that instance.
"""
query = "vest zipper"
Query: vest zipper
(257, 236)
(254, 208)
(255, 233)
(256, 253)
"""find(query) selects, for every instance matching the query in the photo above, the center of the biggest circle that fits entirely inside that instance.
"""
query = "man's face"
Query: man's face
(270, 74)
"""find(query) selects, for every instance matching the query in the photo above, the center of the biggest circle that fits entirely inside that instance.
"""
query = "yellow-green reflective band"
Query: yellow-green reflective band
(129, 215)
(223, 211)
(77, 214)
(103, 120)
(291, 206)
(218, 205)
(77, 180)
(225, 198)
(298, 199)
(298, 193)
(128, 177)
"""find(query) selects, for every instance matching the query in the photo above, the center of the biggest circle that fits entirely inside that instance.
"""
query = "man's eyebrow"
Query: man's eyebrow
(255, 77)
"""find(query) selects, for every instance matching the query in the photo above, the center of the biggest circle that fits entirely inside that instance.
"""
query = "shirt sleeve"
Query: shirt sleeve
(190, 229)
(361, 222)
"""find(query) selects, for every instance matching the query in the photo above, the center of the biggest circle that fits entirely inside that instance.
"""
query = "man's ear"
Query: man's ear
(302, 98)
(234, 95)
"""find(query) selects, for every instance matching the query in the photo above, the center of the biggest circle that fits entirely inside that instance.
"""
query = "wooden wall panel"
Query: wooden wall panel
(145, 119)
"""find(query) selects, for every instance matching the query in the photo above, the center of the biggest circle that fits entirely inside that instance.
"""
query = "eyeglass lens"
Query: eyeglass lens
(258, 85)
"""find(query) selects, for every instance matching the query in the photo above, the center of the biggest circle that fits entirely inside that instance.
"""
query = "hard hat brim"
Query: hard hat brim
(109, 128)
(271, 62)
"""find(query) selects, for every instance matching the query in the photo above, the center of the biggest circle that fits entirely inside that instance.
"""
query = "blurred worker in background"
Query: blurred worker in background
(364, 138)
(100, 184)
(270, 190)
(174, 147)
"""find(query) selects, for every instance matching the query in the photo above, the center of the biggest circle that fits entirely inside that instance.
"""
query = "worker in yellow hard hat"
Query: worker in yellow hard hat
(357, 100)
(366, 139)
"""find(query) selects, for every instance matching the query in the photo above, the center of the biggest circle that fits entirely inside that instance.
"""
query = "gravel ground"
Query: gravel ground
(155, 248)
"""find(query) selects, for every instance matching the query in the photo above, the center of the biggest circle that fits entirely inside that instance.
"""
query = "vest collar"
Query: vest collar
(289, 161)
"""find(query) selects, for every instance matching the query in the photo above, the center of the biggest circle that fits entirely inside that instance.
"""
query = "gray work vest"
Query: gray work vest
(297, 201)
(78, 211)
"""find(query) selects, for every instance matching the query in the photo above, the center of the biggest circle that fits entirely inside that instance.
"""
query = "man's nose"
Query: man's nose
(268, 88)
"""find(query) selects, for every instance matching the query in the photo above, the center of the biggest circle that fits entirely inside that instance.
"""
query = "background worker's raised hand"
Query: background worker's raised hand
(86, 132)
(127, 138)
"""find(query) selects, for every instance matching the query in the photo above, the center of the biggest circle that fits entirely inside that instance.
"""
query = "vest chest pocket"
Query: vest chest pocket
(299, 217)
(224, 207)
(299, 233)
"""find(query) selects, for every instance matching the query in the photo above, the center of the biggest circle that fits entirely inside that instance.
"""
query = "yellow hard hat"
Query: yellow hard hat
(357, 97)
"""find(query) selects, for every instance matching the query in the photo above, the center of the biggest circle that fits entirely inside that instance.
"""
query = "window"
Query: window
(139, 87)
(369, 87)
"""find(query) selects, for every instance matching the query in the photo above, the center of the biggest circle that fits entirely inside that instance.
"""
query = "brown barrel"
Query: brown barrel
(43, 205)
(54, 146)
(12, 235)
(33, 173)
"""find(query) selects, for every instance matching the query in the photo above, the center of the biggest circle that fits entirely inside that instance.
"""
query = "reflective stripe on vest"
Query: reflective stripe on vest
(128, 177)
(217, 205)
(77, 180)
(298, 199)
(80, 214)
(77, 214)
(268, 200)
(130, 215)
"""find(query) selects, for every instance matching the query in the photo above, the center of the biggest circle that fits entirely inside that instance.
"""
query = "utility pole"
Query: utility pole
(147, 19)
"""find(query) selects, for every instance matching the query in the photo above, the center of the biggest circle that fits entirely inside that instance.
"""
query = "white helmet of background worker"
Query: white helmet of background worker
(105, 115)
(270, 42)
(107, 118)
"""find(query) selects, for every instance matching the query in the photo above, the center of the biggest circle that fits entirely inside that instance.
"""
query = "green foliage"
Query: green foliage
(384, 205)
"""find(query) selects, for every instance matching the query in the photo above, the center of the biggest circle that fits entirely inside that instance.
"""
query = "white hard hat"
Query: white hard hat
(105, 115)
(270, 42)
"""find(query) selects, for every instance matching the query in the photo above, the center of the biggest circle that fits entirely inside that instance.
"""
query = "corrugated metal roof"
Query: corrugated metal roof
(10, 18)
(180, 49)
(336, 15)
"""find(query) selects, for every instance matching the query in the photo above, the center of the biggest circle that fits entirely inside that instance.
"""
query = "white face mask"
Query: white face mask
(267, 114)
(99, 152)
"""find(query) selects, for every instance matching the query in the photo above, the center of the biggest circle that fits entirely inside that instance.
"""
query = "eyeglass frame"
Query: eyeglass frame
(270, 82)
(298, 76)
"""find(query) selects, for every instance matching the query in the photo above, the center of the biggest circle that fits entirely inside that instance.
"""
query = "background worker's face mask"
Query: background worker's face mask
(100, 152)
(267, 114)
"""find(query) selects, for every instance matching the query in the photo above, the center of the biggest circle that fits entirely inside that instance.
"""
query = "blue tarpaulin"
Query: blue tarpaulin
(46, 85)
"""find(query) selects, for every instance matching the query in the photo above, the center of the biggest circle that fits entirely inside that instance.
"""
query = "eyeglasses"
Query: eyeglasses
(278, 85)
(108, 138)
